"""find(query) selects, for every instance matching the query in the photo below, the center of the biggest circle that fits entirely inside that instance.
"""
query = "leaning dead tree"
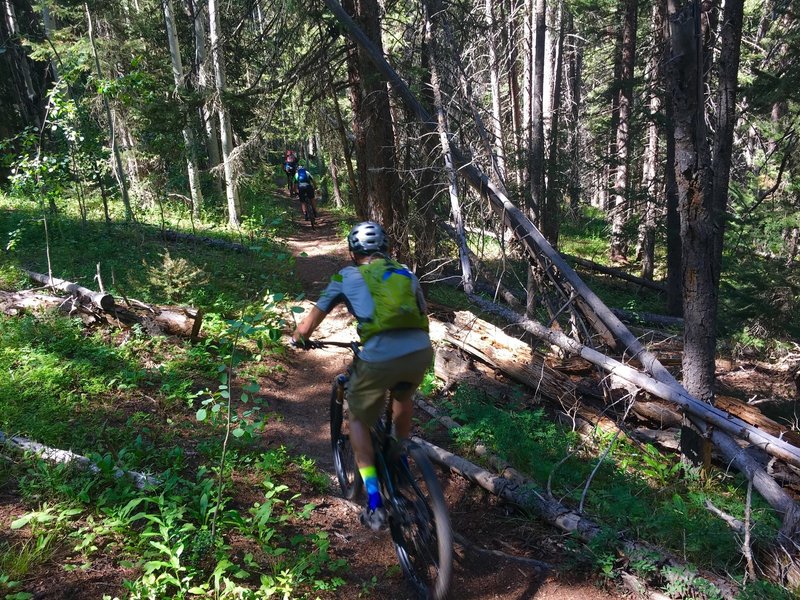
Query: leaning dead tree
(589, 320)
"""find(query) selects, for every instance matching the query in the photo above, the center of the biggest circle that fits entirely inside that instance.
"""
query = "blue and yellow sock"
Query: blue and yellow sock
(370, 477)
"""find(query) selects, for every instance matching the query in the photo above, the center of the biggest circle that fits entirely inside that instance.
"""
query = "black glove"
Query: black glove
(306, 344)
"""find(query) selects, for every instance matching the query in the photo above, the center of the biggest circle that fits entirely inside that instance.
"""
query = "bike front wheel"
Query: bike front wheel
(419, 523)
(344, 459)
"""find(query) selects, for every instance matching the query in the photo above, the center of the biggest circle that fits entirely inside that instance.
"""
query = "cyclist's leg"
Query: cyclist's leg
(361, 441)
(303, 202)
(365, 396)
(408, 376)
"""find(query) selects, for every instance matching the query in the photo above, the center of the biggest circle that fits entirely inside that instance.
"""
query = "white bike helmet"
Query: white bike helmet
(367, 238)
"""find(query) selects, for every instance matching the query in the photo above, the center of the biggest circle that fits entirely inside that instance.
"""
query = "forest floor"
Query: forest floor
(297, 394)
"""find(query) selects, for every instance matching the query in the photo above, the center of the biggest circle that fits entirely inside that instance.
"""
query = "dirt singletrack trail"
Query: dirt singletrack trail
(299, 401)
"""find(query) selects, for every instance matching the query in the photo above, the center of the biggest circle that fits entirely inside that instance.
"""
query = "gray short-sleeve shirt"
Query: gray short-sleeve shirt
(349, 287)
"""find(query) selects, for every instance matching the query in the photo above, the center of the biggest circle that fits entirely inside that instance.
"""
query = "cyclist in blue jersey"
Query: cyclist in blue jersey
(305, 191)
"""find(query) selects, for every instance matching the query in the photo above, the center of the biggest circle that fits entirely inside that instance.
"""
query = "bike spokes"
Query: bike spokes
(344, 459)
(420, 526)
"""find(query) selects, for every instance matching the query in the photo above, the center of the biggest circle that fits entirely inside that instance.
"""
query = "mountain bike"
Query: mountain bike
(312, 214)
(307, 200)
(419, 523)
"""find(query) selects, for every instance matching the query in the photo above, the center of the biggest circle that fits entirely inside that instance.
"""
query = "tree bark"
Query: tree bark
(650, 189)
(205, 88)
(432, 7)
(536, 160)
(119, 172)
(379, 183)
(553, 192)
(620, 211)
(99, 299)
(494, 86)
(728, 73)
(218, 59)
(693, 175)
(180, 84)
(574, 87)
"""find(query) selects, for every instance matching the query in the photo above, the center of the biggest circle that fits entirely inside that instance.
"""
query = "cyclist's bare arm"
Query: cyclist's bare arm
(307, 326)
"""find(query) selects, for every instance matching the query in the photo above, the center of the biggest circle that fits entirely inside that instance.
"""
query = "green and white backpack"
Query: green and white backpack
(392, 287)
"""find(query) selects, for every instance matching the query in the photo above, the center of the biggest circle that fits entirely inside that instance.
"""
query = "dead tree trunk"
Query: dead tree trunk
(538, 249)
(99, 299)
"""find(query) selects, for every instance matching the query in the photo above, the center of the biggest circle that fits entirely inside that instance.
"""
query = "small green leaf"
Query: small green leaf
(22, 521)
(238, 432)
(201, 414)
(298, 309)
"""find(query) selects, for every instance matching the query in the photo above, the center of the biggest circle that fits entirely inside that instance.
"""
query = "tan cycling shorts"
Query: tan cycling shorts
(370, 380)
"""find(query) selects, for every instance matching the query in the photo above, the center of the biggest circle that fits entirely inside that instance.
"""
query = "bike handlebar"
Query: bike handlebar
(312, 344)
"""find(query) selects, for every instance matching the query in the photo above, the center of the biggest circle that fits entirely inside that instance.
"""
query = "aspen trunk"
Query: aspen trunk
(188, 134)
(218, 59)
(119, 172)
(441, 119)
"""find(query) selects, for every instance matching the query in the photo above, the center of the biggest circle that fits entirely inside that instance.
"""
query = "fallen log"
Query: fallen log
(155, 320)
(175, 236)
(101, 300)
(705, 412)
(14, 303)
(618, 273)
(165, 320)
(17, 303)
(646, 318)
(521, 492)
(724, 425)
(754, 416)
(516, 359)
(511, 356)
(55, 455)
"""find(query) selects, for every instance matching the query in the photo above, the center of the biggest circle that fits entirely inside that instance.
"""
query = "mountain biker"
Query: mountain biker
(305, 190)
(393, 359)
(290, 168)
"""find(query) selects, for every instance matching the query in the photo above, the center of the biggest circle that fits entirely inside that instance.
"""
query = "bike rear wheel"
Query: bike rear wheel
(419, 523)
(344, 460)
(312, 215)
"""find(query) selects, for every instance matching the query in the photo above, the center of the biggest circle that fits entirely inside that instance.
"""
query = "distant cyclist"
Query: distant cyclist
(387, 301)
(290, 168)
(306, 192)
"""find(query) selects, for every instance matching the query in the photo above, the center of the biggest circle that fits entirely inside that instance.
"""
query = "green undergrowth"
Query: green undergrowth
(635, 492)
(133, 402)
(163, 535)
(221, 517)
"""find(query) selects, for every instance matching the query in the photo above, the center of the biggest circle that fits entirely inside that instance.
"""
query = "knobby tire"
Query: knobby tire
(420, 524)
(344, 460)
(312, 215)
